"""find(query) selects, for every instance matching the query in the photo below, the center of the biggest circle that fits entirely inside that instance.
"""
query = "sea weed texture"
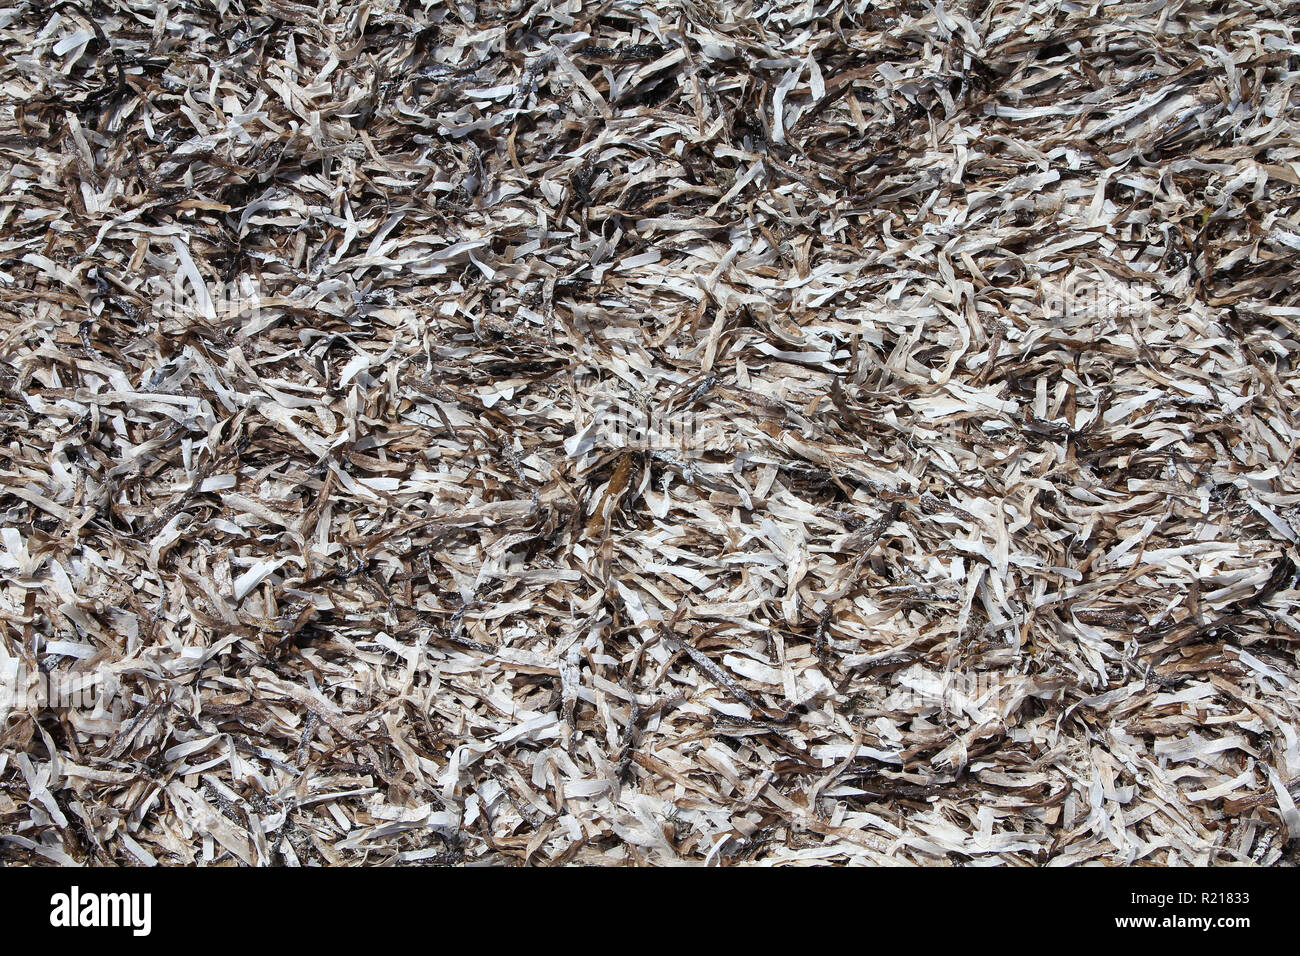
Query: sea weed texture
(649, 432)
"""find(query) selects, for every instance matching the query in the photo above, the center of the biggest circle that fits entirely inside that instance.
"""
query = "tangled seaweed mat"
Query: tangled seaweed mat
(643, 432)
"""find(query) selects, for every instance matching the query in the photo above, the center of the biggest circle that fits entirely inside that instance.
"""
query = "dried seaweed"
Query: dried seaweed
(649, 432)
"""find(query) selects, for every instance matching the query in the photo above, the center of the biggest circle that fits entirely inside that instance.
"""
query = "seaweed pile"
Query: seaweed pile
(649, 432)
